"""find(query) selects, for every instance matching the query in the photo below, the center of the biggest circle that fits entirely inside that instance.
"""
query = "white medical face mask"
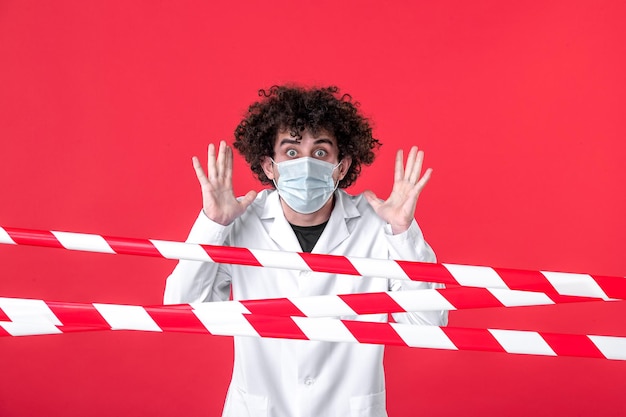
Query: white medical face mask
(305, 184)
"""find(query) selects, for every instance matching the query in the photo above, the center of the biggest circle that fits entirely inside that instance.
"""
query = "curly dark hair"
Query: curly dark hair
(296, 109)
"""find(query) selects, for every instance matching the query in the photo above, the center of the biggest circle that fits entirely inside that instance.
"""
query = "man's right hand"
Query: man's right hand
(218, 200)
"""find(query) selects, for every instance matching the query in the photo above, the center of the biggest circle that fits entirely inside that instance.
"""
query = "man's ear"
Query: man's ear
(268, 167)
(344, 166)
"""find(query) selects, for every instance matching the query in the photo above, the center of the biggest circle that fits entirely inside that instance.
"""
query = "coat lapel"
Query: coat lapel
(335, 232)
(280, 230)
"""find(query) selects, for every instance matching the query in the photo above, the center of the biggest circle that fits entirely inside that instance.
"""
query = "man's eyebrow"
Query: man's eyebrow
(323, 140)
(287, 141)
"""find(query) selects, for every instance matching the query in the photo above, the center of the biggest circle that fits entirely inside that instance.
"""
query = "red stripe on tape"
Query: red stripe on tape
(525, 280)
(231, 255)
(432, 272)
(78, 315)
(280, 327)
(127, 246)
(572, 345)
(4, 332)
(80, 329)
(559, 299)
(329, 263)
(371, 303)
(473, 339)
(3, 316)
(614, 287)
(33, 237)
(273, 307)
(177, 319)
(468, 297)
(373, 332)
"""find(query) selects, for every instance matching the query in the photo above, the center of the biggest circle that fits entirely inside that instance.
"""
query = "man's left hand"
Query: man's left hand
(399, 208)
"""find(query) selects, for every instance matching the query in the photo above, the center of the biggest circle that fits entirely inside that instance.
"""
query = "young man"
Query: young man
(308, 144)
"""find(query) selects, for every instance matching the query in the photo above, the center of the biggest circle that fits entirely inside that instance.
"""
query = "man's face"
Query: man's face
(322, 146)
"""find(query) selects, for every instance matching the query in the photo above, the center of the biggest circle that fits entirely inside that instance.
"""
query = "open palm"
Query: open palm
(218, 200)
(399, 208)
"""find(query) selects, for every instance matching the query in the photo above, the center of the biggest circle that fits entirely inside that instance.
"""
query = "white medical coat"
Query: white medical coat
(296, 378)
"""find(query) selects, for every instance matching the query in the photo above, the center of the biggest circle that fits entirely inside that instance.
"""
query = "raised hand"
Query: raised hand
(218, 200)
(399, 208)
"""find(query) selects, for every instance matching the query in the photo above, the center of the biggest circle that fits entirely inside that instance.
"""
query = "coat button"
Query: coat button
(309, 381)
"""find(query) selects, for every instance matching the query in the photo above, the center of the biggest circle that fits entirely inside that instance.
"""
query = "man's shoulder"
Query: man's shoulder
(355, 204)
(260, 204)
(262, 196)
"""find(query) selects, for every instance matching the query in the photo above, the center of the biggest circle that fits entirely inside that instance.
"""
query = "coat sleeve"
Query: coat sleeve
(197, 281)
(411, 246)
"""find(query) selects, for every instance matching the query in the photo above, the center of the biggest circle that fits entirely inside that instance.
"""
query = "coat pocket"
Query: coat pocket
(241, 404)
(372, 405)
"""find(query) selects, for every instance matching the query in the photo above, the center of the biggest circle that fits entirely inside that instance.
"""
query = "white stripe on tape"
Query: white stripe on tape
(5, 238)
(324, 329)
(83, 241)
(476, 276)
(515, 298)
(220, 307)
(611, 347)
(121, 317)
(575, 284)
(421, 300)
(379, 268)
(275, 259)
(179, 250)
(29, 329)
(26, 310)
(231, 324)
(319, 306)
(424, 336)
(521, 341)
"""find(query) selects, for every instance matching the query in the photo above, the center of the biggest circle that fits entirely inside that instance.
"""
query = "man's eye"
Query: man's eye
(291, 153)
(320, 153)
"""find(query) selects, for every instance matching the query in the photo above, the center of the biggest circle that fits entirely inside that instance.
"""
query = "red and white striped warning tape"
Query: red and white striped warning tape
(21, 309)
(55, 318)
(558, 283)
(296, 318)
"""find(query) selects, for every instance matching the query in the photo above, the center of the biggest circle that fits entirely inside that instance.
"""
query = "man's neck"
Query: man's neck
(313, 219)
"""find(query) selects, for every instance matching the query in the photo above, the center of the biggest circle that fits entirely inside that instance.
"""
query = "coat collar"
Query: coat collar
(336, 230)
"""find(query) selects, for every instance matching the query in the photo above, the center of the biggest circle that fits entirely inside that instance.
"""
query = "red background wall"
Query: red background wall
(518, 106)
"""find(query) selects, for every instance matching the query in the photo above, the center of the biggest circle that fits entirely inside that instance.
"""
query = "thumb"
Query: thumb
(374, 201)
(247, 199)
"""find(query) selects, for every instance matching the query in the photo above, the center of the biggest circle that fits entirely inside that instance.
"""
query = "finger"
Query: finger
(197, 166)
(416, 170)
(410, 164)
(221, 159)
(211, 162)
(228, 169)
(398, 173)
(424, 180)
